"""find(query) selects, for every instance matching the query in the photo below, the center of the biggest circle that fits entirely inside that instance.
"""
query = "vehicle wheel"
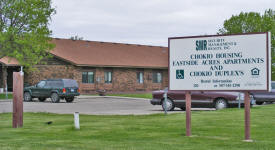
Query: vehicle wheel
(41, 99)
(27, 97)
(259, 103)
(69, 99)
(55, 98)
(183, 108)
(169, 105)
(220, 104)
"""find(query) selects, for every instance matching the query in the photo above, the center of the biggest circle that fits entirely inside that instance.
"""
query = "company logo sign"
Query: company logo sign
(201, 45)
(179, 74)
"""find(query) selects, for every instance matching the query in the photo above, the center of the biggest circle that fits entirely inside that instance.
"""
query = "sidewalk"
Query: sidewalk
(96, 96)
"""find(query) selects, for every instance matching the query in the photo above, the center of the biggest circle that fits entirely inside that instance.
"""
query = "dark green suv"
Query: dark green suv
(55, 89)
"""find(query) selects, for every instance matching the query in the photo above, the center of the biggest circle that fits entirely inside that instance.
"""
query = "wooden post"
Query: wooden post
(17, 100)
(247, 116)
(188, 112)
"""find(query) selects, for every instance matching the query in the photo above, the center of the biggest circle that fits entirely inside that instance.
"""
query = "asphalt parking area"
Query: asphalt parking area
(91, 105)
(95, 106)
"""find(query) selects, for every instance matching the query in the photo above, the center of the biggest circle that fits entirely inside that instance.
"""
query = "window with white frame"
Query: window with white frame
(108, 76)
(140, 77)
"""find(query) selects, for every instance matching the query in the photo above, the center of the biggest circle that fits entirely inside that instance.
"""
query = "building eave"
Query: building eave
(121, 66)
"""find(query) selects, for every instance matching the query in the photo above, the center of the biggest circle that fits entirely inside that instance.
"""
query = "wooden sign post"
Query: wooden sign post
(17, 99)
(188, 113)
(247, 116)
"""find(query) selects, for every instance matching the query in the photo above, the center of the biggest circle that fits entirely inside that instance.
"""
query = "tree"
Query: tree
(251, 22)
(24, 32)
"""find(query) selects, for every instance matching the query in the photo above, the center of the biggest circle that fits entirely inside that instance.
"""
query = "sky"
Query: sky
(147, 22)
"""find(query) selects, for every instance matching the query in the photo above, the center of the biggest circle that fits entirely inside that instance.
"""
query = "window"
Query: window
(87, 77)
(70, 83)
(108, 76)
(140, 77)
(57, 84)
(157, 77)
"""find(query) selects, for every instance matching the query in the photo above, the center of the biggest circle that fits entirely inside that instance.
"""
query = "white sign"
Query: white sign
(220, 62)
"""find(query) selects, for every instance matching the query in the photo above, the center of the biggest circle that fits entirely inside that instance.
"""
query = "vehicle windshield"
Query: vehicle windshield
(41, 84)
(70, 83)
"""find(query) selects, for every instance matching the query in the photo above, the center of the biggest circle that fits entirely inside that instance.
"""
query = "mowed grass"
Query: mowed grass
(211, 130)
(3, 96)
(145, 95)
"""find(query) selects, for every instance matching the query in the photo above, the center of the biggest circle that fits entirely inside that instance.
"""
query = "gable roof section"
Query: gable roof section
(9, 61)
(105, 54)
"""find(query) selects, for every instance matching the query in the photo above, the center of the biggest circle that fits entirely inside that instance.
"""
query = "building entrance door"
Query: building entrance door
(10, 71)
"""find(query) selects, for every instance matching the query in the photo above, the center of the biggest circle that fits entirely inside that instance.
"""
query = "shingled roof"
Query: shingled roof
(106, 54)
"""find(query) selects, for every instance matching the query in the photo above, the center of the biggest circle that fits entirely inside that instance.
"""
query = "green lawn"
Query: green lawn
(3, 96)
(212, 130)
(146, 95)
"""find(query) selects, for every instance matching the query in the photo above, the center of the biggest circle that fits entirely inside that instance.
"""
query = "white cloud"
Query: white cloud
(145, 21)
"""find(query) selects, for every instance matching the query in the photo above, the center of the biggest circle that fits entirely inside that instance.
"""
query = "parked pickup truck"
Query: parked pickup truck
(262, 97)
(218, 100)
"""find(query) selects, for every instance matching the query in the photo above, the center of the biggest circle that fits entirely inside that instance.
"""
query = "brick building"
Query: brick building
(113, 67)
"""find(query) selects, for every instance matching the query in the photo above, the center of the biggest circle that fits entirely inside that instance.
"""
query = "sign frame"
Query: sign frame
(268, 61)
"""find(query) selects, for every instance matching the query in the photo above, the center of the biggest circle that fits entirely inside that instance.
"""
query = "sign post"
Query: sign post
(247, 116)
(188, 113)
(239, 62)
